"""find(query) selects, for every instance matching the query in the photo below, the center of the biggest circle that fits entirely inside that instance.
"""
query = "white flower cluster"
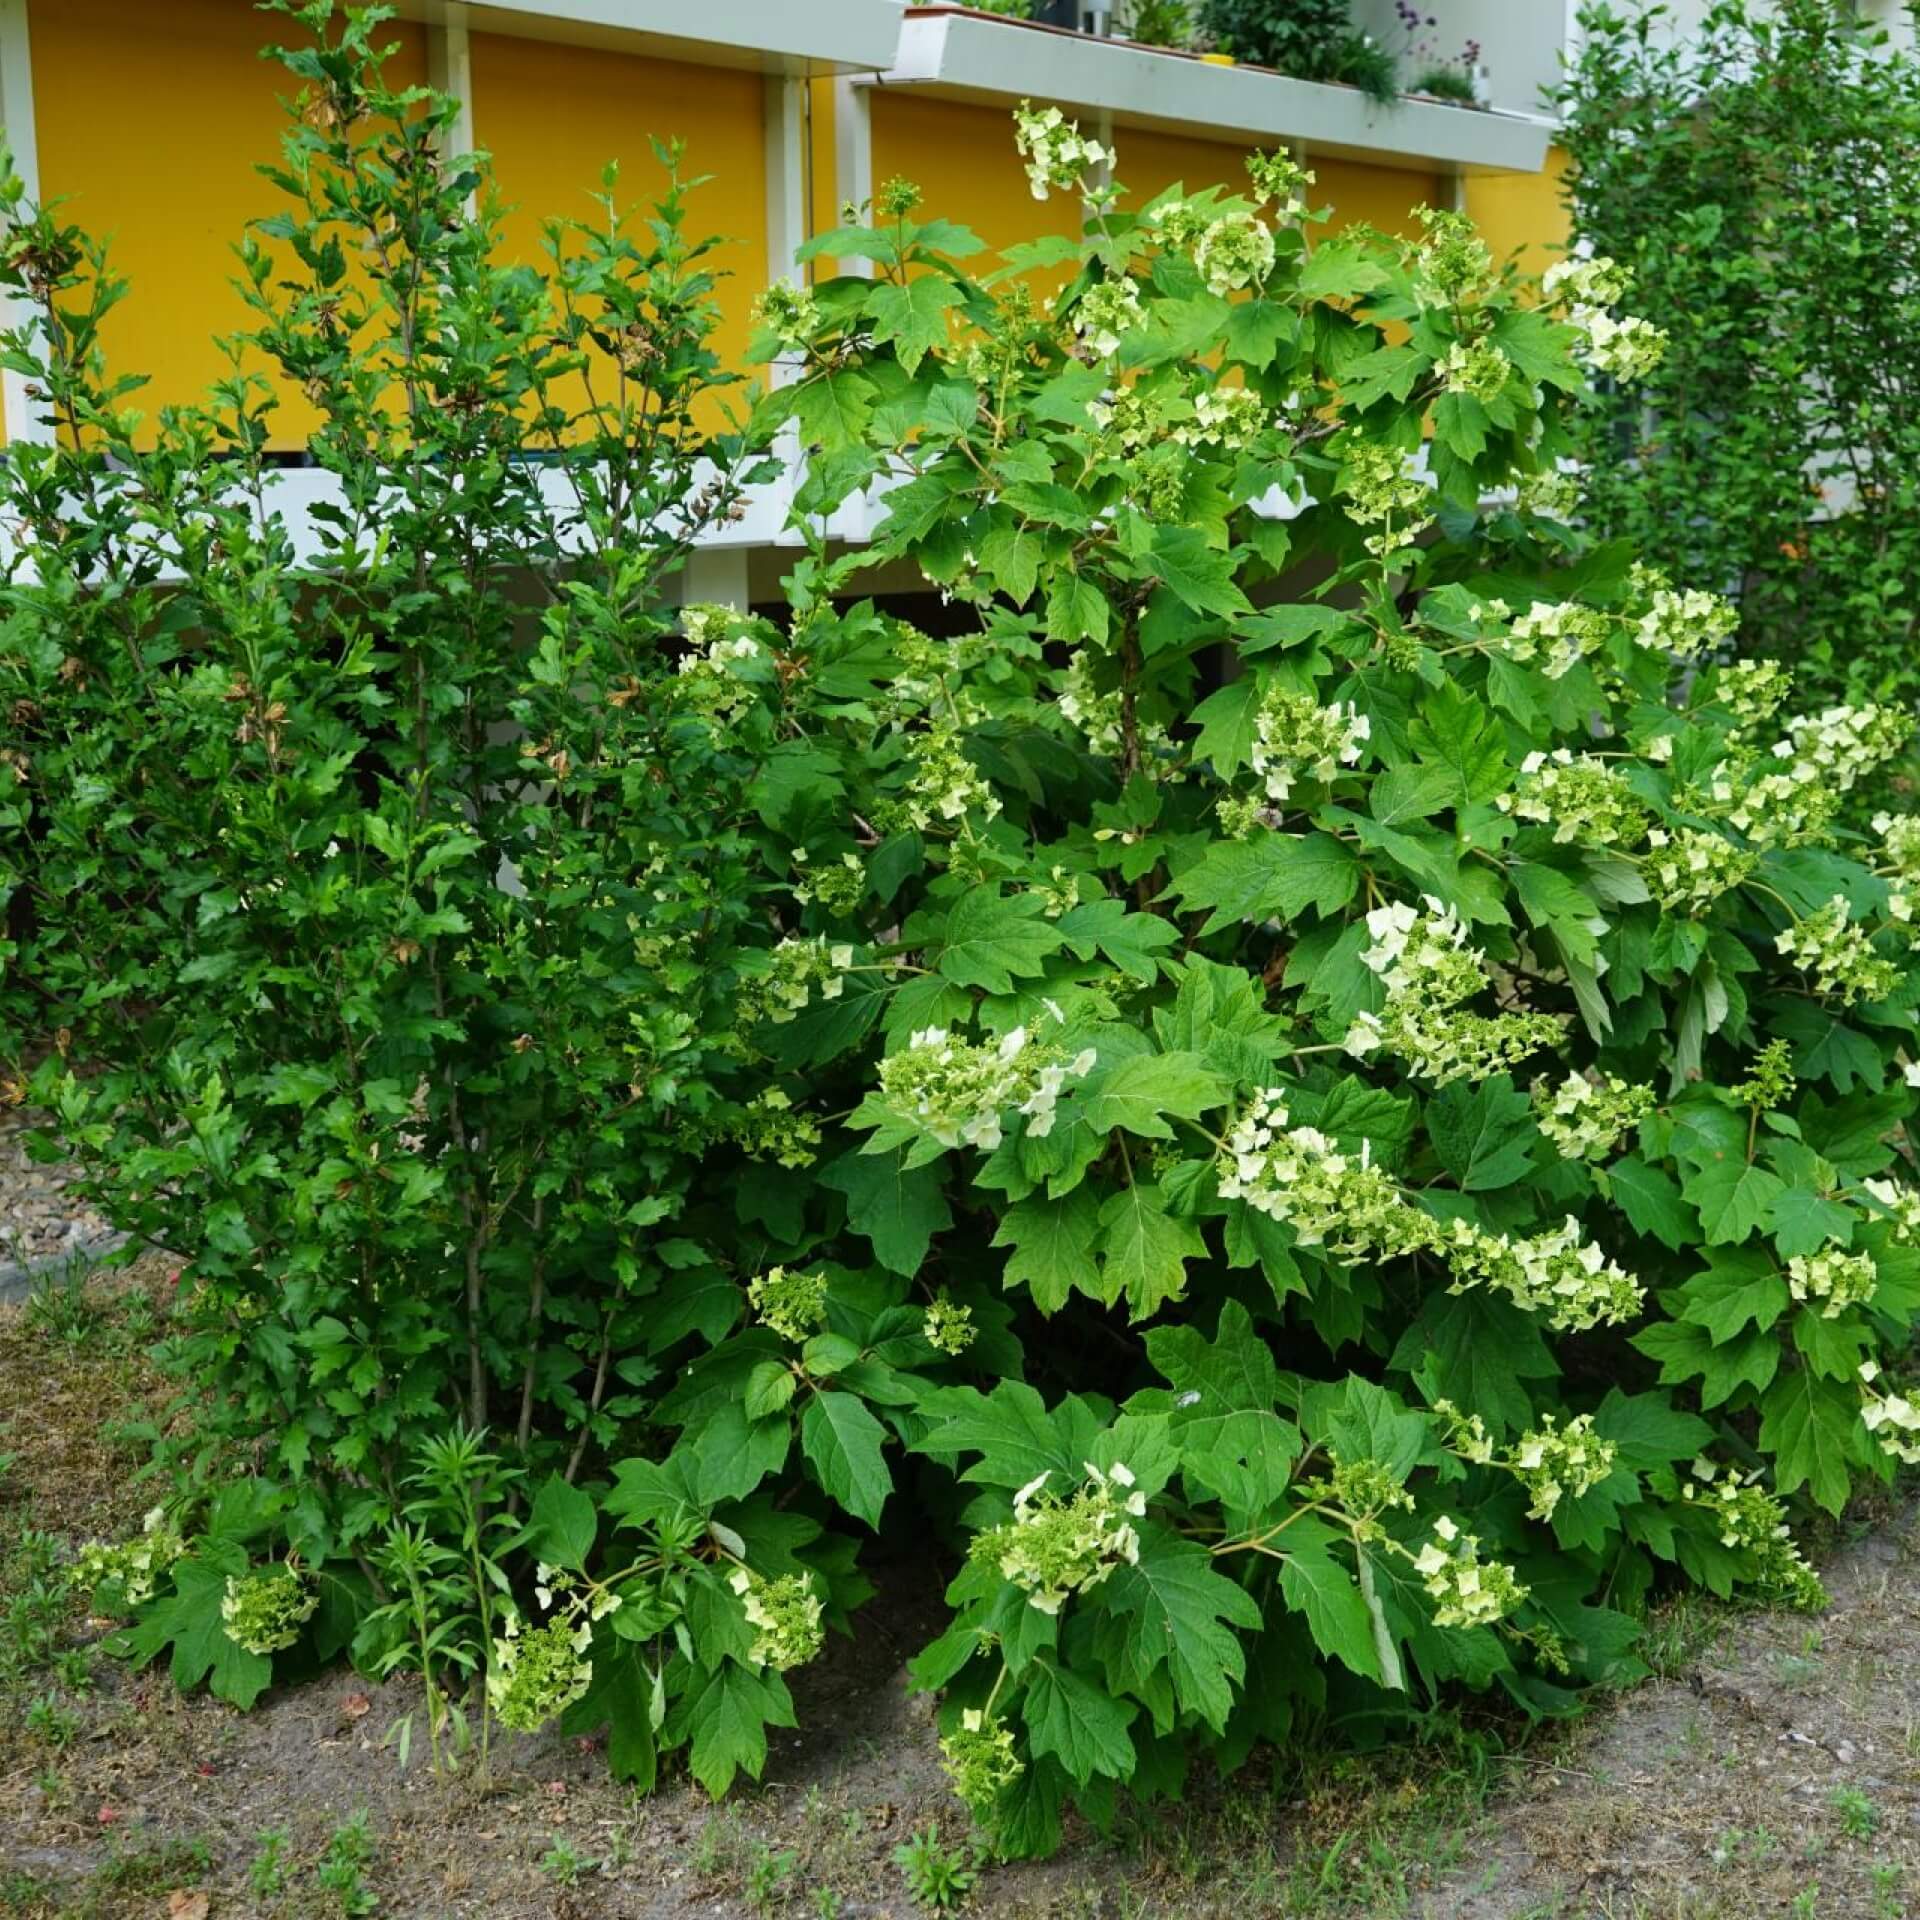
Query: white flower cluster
(1838, 955)
(790, 313)
(538, 1672)
(1585, 281)
(1832, 1280)
(1452, 262)
(1295, 736)
(1054, 1547)
(1842, 743)
(550, 1581)
(785, 1613)
(1342, 1201)
(1480, 371)
(1129, 416)
(1108, 311)
(1280, 178)
(1628, 349)
(137, 1564)
(1555, 636)
(1687, 870)
(958, 1093)
(1585, 801)
(771, 1127)
(796, 967)
(1224, 417)
(264, 1608)
(1094, 714)
(1753, 691)
(1586, 1114)
(1553, 493)
(1892, 1419)
(979, 1759)
(1383, 490)
(1235, 251)
(1327, 1196)
(1554, 1462)
(1899, 1205)
(1428, 969)
(789, 1302)
(1900, 860)
(1464, 1434)
(1750, 1520)
(1466, 1590)
(1057, 154)
(1687, 625)
(945, 785)
(709, 673)
(839, 887)
(1822, 757)
(1899, 844)
(1560, 1274)
(948, 1326)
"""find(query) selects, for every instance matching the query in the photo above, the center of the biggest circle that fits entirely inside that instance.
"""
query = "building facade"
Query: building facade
(149, 122)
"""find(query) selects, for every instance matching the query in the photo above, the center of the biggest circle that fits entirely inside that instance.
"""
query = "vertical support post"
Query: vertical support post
(450, 70)
(721, 573)
(853, 154)
(23, 421)
(786, 136)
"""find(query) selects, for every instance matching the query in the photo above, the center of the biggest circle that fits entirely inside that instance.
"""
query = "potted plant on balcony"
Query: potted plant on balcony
(1460, 80)
(1304, 39)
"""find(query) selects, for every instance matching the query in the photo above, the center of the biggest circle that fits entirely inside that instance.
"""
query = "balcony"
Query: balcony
(777, 35)
(953, 53)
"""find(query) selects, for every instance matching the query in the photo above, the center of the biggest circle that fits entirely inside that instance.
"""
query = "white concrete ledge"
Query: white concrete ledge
(981, 57)
(787, 35)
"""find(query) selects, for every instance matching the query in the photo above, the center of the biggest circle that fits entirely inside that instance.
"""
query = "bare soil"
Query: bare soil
(1774, 1769)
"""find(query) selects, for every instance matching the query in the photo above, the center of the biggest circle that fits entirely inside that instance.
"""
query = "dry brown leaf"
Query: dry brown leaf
(182, 1905)
(356, 1706)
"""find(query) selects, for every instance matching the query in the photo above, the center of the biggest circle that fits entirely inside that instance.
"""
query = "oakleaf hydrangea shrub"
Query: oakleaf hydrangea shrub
(1298, 1088)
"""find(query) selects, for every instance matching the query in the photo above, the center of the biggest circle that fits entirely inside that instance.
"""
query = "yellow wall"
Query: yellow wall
(1379, 196)
(553, 116)
(1522, 212)
(964, 159)
(152, 118)
(1152, 162)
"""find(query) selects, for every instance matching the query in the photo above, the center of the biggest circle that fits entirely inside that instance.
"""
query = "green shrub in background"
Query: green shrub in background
(1310, 1147)
(1758, 178)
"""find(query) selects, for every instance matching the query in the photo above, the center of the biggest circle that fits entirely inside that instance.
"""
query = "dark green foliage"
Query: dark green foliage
(1761, 177)
(1307, 1147)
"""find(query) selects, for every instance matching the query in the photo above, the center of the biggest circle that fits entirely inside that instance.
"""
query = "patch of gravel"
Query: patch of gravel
(44, 1224)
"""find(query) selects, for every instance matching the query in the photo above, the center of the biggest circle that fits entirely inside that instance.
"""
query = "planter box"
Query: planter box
(954, 53)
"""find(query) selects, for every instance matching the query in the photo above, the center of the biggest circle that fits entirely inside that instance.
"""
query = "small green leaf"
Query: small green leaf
(1317, 1586)
(843, 1441)
(562, 1525)
(1137, 1093)
(1081, 1726)
(990, 939)
(1735, 1200)
(1145, 1249)
(896, 1207)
